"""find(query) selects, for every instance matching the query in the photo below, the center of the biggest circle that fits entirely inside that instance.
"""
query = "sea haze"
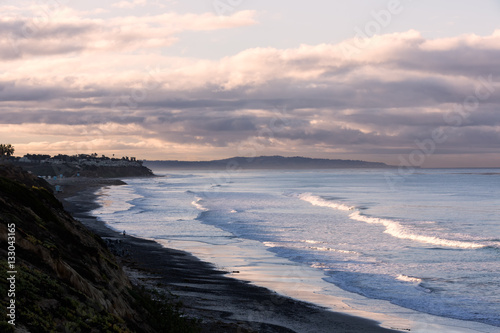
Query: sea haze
(430, 243)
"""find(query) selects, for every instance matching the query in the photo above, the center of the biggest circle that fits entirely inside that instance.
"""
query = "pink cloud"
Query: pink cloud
(396, 89)
(22, 36)
(129, 4)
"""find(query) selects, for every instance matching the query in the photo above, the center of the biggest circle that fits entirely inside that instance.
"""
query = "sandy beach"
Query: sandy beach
(223, 304)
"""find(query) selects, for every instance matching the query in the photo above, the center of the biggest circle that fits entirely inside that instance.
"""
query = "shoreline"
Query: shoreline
(224, 304)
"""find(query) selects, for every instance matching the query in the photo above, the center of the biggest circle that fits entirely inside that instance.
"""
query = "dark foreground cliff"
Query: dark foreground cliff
(61, 277)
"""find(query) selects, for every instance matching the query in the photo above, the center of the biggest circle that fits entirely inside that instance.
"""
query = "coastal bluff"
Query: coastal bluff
(84, 165)
(60, 276)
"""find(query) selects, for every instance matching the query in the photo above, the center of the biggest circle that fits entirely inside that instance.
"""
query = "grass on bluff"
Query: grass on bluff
(45, 303)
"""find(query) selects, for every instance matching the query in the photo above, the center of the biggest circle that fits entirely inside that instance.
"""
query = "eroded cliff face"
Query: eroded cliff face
(66, 279)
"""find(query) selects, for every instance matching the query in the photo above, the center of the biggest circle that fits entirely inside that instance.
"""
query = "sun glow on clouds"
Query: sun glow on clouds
(118, 89)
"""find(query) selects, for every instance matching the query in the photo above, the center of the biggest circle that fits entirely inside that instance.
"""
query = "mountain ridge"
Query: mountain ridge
(267, 162)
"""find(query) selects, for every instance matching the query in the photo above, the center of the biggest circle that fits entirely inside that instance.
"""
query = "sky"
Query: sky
(403, 82)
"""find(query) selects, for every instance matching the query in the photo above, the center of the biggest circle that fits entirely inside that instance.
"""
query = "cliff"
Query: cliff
(59, 276)
(90, 170)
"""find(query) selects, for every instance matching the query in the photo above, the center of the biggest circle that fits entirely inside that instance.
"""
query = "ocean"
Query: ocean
(422, 253)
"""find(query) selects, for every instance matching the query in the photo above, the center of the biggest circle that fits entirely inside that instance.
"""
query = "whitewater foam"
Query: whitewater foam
(109, 206)
(324, 248)
(393, 228)
(406, 278)
(198, 205)
(309, 241)
(318, 201)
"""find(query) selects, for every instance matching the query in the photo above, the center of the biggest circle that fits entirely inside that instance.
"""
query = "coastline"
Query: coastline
(224, 304)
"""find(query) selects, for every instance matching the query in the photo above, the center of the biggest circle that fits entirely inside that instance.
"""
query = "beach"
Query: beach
(224, 304)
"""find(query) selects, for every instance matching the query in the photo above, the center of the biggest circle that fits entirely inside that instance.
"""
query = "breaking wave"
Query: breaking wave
(406, 278)
(198, 205)
(318, 201)
(392, 227)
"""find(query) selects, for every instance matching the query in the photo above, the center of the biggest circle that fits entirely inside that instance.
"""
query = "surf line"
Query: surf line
(392, 227)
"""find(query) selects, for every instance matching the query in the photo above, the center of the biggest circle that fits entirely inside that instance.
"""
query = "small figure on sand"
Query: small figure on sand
(124, 233)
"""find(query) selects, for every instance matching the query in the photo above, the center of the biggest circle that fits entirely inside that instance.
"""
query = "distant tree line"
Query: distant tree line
(76, 158)
(7, 150)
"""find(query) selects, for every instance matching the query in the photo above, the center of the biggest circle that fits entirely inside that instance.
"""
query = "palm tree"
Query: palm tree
(6, 150)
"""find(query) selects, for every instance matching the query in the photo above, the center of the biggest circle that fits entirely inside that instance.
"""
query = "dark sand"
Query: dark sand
(223, 304)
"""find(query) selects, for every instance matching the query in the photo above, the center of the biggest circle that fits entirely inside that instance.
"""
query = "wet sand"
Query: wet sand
(223, 304)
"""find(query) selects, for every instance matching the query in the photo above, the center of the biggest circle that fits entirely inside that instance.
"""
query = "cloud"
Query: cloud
(116, 89)
(55, 32)
(129, 4)
(140, 3)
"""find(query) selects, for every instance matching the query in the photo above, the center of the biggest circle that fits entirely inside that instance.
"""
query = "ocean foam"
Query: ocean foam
(318, 201)
(324, 248)
(198, 205)
(405, 278)
(308, 241)
(393, 228)
(115, 199)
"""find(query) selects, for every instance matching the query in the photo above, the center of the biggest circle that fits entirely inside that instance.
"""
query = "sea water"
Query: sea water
(429, 242)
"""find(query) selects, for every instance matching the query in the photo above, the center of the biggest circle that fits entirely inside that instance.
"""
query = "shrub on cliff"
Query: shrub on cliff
(67, 280)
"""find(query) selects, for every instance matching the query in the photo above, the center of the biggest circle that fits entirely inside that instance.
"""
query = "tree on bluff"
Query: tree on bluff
(6, 150)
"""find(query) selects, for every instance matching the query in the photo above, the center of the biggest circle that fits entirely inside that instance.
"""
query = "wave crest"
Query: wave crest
(393, 228)
(198, 205)
(405, 278)
(318, 201)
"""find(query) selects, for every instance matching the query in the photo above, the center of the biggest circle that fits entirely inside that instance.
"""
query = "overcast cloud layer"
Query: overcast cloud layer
(74, 83)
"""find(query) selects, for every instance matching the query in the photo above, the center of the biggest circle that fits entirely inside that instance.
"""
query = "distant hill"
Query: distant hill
(266, 162)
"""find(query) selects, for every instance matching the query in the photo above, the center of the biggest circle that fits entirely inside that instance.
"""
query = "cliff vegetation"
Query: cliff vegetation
(65, 278)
